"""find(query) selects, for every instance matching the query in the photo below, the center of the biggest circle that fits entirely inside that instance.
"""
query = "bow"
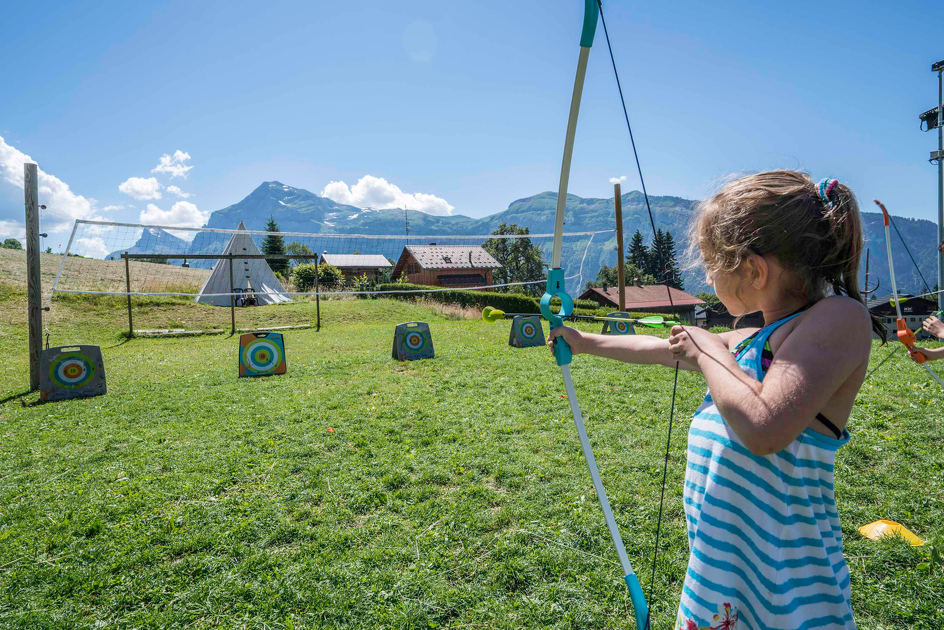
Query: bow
(556, 289)
(905, 334)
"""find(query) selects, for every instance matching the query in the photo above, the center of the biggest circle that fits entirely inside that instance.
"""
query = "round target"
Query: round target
(621, 327)
(414, 341)
(529, 330)
(262, 355)
(71, 371)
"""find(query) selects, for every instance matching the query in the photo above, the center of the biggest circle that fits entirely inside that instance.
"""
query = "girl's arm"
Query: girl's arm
(932, 354)
(830, 342)
(640, 349)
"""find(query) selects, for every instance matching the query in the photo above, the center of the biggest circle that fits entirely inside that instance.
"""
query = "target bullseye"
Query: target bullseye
(71, 371)
(412, 341)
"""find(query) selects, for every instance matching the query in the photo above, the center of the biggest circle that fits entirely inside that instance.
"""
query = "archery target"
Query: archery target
(412, 340)
(618, 328)
(71, 372)
(261, 354)
(526, 332)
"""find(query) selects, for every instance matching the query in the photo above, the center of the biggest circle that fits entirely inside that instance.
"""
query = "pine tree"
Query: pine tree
(656, 262)
(673, 271)
(273, 245)
(638, 253)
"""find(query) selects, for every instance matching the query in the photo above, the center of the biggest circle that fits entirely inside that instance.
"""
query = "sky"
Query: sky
(164, 112)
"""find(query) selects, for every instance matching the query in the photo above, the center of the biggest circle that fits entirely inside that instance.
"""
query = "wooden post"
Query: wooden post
(232, 299)
(128, 289)
(317, 297)
(33, 277)
(620, 262)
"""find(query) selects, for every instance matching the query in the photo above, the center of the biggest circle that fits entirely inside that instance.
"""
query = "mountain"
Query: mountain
(299, 210)
(154, 241)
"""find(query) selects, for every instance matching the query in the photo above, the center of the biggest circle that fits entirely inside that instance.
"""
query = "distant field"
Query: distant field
(451, 492)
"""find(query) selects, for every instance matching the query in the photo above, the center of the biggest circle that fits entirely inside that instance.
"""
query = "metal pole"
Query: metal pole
(940, 185)
(318, 297)
(866, 289)
(33, 277)
(232, 298)
(620, 265)
(128, 289)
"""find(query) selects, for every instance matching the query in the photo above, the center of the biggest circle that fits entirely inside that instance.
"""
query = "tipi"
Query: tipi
(252, 276)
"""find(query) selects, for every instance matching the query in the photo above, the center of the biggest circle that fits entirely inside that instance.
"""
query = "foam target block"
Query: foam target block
(411, 341)
(261, 354)
(526, 332)
(71, 372)
(618, 328)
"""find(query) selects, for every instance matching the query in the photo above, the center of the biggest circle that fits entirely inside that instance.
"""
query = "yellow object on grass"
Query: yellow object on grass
(879, 529)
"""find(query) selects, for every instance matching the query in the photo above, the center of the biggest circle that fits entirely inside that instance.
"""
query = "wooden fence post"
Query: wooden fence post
(33, 277)
(317, 297)
(232, 298)
(128, 289)
(620, 269)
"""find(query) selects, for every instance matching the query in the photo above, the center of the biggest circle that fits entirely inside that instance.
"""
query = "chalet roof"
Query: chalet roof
(452, 257)
(648, 296)
(357, 261)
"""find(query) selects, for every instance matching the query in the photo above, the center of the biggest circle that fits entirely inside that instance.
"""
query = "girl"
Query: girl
(764, 535)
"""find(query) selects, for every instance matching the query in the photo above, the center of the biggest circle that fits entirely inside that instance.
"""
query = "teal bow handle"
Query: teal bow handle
(555, 288)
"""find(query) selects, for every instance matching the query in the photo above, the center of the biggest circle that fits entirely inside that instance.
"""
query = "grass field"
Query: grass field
(451, 492)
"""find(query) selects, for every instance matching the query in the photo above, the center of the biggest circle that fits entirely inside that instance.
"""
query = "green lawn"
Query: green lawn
(452, 492)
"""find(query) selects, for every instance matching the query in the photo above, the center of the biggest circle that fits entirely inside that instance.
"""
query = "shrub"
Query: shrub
(304, 277)
(508, 302)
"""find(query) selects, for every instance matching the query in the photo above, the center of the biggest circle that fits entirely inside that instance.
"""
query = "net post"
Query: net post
(128, 290)
(620, 265)
(33, 277)
(232, 298)
(317, 298)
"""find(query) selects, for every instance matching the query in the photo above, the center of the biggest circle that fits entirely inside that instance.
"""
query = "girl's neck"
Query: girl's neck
(774, 312)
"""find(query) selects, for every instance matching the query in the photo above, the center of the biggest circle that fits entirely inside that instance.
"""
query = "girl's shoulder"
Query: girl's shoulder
(834, 316)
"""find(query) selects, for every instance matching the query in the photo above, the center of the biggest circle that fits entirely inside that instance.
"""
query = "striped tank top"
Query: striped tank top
(764, 537)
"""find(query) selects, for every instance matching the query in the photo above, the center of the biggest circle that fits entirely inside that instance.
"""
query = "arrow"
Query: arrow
(492, 315)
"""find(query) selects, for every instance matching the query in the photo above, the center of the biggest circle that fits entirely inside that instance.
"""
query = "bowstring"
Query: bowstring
(901, 238)
(665, 273)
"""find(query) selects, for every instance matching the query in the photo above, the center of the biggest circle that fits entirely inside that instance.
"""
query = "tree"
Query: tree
(274, 245)
(11, 243)
(662, 262)
(49, 250)
(710, 299)
(520, 260)
(299, 249)
(606, 277)
(638, 253)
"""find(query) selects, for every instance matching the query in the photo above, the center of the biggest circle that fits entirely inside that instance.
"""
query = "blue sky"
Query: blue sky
(459, 105)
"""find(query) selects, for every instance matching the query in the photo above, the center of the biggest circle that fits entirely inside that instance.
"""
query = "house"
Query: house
(914, 310)
(652, 298)
(709, 316)
(356, 265)
(456, 266)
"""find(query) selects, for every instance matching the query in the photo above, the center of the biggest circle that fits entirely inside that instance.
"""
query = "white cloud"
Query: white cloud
(110, 208)
(174, 164)
(618, 180)
(181, 214)
(376, 192)
(141, 188)
(174, 190)
(62, 204)
(12, 229)
(90, 247)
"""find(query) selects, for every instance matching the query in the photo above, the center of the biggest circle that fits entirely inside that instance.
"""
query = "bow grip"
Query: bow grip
(555, 288)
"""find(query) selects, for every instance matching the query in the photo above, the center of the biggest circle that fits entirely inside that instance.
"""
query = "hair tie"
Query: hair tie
(825, 187)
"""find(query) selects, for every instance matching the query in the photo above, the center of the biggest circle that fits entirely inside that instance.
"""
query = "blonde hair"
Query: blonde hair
(781, 213)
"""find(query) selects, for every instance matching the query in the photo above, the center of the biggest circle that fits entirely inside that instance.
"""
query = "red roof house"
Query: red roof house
(647, 298)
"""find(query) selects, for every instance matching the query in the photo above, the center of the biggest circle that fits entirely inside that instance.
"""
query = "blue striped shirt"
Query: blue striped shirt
(764, 536)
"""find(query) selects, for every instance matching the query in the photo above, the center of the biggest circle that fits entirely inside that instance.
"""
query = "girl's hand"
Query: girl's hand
(915, 352)
(572, 336)
(934, 326)
(689, 343)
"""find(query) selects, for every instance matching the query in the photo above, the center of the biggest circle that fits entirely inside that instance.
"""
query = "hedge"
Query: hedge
(508, 302)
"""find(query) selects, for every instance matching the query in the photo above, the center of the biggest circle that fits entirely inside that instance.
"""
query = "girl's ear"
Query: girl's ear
(759, 272)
